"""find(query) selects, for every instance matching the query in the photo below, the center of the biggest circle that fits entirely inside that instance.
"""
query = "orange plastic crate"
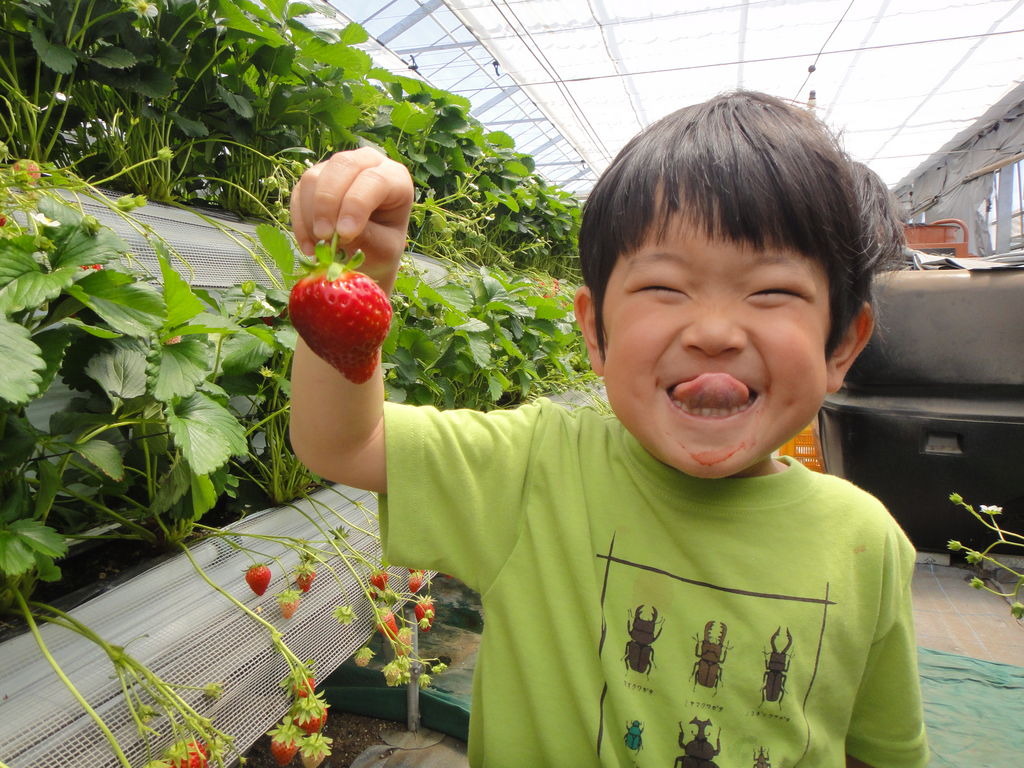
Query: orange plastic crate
(804, 448)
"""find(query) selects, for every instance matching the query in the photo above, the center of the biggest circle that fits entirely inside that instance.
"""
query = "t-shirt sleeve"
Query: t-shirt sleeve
(455, 488)
(887, 726)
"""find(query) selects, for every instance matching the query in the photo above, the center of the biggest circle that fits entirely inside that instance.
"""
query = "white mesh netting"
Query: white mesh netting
(212, 245)
(170, 619)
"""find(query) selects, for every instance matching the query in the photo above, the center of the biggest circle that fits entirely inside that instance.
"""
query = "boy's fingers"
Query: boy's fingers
(382, 194)
(342, 193)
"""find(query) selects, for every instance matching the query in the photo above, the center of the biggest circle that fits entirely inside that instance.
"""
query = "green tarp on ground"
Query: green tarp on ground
(974, 711)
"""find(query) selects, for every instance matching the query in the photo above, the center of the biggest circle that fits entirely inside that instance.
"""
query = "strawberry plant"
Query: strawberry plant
(988, 515)
(483, 339)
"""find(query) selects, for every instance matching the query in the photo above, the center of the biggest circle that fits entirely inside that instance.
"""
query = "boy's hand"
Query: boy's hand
(365, 198)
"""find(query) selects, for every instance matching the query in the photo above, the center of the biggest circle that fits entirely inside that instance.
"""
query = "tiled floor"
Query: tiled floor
(950, 615)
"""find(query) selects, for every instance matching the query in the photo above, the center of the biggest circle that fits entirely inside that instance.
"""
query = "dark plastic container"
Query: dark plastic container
(935, 404)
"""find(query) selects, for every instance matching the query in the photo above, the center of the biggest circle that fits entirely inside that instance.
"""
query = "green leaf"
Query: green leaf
(238, 21)
(354, 34)
(93, 330)
(42, 538)
(500, 139)
(457, 296)
(179, 368)
(23, 364)
(151, 81)
(172, 486)
(354, 62)
(238, 103)
(134, 309)
(192, 128)
(17, 444)
(182, 305)
(53, 342)
(57, 57)
(104, 456)
(516, 169)
(120, 371)
(206, 432)
(497, 383)
(279, 246)
(15, 556)
(245, 352)
(49, 484)
(16, 260)
(113, 57)
(410, 118)
(479, 348)
(204, 495)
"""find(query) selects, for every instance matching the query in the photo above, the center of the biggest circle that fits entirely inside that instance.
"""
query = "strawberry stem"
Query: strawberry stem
(34, 629)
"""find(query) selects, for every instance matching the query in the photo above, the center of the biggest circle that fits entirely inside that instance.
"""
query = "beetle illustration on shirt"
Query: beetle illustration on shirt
(710, 654)
(642, 633)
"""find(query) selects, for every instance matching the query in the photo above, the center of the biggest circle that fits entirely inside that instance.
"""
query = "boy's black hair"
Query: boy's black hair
(751, 169)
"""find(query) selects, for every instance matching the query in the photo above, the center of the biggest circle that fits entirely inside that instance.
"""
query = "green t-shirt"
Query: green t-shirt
(638, 616)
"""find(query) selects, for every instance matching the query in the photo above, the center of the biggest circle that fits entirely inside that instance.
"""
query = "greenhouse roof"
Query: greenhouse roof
(573, 80)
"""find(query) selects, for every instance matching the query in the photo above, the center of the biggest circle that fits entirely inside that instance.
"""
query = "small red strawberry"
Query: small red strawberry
(415, 580)
(187, 754)
(310, 714)
(288, 601)
(424, 609)
(304, 576)
(379, 579)
(284, 742)
(258, 578)
(300, 682)
(387, 625)
(342, 315)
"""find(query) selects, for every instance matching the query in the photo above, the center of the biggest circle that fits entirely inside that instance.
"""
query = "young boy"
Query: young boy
(658, 589)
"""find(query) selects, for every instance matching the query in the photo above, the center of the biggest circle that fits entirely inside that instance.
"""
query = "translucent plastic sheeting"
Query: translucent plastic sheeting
(898, 78)
(186, 633)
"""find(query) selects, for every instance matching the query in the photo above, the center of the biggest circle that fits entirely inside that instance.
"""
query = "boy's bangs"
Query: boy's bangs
(734, 185)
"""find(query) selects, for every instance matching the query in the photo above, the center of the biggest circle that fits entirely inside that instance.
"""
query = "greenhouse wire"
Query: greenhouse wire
(170, 620)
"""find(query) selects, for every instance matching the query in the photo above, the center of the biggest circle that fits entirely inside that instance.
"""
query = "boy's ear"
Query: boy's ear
(586, 318)
(855, 339)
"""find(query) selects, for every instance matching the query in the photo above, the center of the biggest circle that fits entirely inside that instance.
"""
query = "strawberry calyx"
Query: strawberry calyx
(325, 261)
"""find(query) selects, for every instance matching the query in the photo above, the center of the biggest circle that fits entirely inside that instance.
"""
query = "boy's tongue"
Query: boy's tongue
(718, 391)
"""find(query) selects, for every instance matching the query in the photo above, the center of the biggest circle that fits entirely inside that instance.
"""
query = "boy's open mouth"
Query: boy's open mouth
(712, 395)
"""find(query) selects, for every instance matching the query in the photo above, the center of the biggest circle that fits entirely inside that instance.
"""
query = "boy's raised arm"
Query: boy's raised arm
(337, 426)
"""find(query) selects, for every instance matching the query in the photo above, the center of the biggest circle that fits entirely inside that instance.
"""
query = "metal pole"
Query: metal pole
(412, 691)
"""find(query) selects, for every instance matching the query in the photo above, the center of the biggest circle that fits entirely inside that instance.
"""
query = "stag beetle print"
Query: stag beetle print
(710, 652)
(775, 668)
(639, 651)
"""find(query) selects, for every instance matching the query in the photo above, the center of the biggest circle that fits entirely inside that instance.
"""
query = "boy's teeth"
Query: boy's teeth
(712, 395)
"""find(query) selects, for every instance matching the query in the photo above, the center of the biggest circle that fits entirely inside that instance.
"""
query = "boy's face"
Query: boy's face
(714, 352)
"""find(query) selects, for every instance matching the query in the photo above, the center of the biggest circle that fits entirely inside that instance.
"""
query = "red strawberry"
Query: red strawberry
(310, 714)
(424, 609)
(288, 601)
(387, 625)
(304, 576)
(187, 754)
(258, 577)
(415, 580)
(284, 742)
(379, 579)
(342, 315)
(302, 689)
